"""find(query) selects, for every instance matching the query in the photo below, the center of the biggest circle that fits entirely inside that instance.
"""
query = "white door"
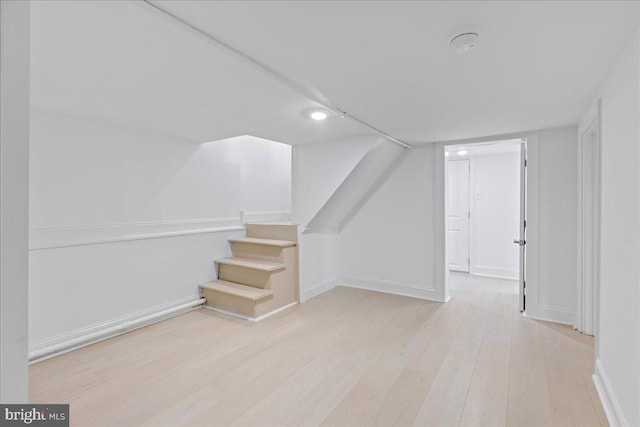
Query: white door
(458, 211)
(522, 238)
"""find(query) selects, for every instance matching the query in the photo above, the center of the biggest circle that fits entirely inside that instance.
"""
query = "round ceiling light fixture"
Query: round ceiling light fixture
(318, 115)
(463, 43)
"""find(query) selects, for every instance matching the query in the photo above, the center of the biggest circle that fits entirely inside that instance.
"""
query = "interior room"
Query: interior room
(320, 213)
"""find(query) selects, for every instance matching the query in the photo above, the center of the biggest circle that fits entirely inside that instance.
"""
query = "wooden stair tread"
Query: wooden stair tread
(253, 264)
(238, 290)
(265, 242)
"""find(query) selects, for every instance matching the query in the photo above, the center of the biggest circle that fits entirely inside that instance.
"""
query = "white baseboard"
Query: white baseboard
(550, 314)
(396, 288)
(316, 290)
(51, 347)
(251, 319)
(503, 273)
(610, 404)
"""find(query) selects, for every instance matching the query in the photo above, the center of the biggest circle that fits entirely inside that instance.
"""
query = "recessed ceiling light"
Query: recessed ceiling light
(463, 43)
(462, 152)
(318, 115)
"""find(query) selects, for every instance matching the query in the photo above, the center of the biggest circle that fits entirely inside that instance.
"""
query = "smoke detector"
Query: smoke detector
(463, 43)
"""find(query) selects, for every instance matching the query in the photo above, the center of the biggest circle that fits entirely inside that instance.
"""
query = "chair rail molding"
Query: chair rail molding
(78, 235)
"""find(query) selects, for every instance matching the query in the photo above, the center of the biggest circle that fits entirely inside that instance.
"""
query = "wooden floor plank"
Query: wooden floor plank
(347, 357)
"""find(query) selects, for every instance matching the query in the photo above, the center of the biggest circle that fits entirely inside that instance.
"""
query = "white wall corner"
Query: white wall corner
(318, 289)
(610, 404)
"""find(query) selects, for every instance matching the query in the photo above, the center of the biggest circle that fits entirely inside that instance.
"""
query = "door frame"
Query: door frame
(532, 216)
(468, 183)
(589, 162)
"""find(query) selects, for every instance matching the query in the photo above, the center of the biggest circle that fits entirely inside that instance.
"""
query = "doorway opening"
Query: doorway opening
(485, 199)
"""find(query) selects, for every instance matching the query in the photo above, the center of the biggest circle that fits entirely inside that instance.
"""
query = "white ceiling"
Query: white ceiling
(125, 63)
(538, 65)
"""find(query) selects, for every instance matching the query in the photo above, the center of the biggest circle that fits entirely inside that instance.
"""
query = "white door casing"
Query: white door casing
(458, 215)
(586, 318)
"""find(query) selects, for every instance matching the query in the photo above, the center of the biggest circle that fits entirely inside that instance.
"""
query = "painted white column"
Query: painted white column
(14, 200)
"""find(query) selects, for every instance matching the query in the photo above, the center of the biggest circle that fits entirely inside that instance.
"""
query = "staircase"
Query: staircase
(262, 275)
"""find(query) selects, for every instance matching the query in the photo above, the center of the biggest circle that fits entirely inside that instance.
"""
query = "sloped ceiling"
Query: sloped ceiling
(538, 65)
(124, 63)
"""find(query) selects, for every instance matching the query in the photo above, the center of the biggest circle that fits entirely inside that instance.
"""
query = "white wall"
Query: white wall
(389, 244)
(87, 173)
(14, 199)
(495, 214)
(354, 190)
(395, 242)
(556, 158)
(618, 368)
(125, 221)
(318, 170)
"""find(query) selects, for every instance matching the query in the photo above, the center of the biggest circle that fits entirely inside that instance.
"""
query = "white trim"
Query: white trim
(590, 116)
(550, 314)
(250, 319)
(588, 247)
(79, 235)
(499, 272)
(276, 311)
(396, 288)
(318, 289)
(45, 349)
(610, 404)
(440, 214)
(228, 313)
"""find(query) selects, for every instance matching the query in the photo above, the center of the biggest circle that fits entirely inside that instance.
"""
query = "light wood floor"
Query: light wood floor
(348, 357)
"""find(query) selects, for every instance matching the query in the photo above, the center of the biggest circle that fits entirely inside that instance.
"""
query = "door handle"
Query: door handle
(520, 242)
